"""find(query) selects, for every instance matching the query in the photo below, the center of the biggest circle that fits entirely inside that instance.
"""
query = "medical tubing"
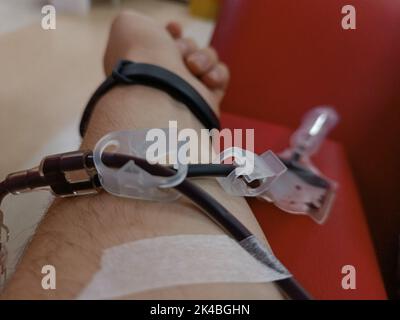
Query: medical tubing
(217, 213)
(31, 179)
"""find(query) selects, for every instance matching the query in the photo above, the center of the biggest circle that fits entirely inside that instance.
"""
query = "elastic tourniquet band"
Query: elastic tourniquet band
(132, 73)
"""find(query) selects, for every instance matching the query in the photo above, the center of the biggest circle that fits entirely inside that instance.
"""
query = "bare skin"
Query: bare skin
(75, 231)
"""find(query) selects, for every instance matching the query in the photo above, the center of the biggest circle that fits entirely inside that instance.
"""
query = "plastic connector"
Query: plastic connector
(316, 125)
(131, 180)
(303, 189)
(253, 175)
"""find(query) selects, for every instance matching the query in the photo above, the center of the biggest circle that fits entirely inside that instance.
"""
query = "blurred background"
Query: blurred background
(285, 57)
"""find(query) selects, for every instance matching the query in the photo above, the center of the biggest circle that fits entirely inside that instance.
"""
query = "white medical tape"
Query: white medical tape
(175, 260)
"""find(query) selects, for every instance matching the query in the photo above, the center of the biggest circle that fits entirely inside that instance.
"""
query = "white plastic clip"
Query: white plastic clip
(303, 189)
(264, 168)
(131, 180)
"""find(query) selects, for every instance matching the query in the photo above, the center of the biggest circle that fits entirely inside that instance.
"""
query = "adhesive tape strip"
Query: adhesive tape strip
(175, 260)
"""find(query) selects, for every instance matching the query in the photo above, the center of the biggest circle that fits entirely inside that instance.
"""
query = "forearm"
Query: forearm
(75, 231)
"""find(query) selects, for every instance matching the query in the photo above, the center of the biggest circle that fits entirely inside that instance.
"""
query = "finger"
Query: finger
(174, 29)
(217, 77)
(202, 61)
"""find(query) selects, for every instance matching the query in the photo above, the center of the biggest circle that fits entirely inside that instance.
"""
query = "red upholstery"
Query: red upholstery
(316, 254)
(287, 56)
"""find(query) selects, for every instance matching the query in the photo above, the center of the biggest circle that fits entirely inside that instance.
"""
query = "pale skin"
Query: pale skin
(75, 231)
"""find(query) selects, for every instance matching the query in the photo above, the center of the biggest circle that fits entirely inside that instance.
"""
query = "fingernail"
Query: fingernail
(200, 60)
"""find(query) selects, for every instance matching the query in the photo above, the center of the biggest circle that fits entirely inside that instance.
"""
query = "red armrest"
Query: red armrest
(287, 56)
(316, 254)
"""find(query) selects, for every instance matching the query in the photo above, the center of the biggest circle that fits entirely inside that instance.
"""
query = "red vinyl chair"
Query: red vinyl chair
(288, 56)
(315, 254)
